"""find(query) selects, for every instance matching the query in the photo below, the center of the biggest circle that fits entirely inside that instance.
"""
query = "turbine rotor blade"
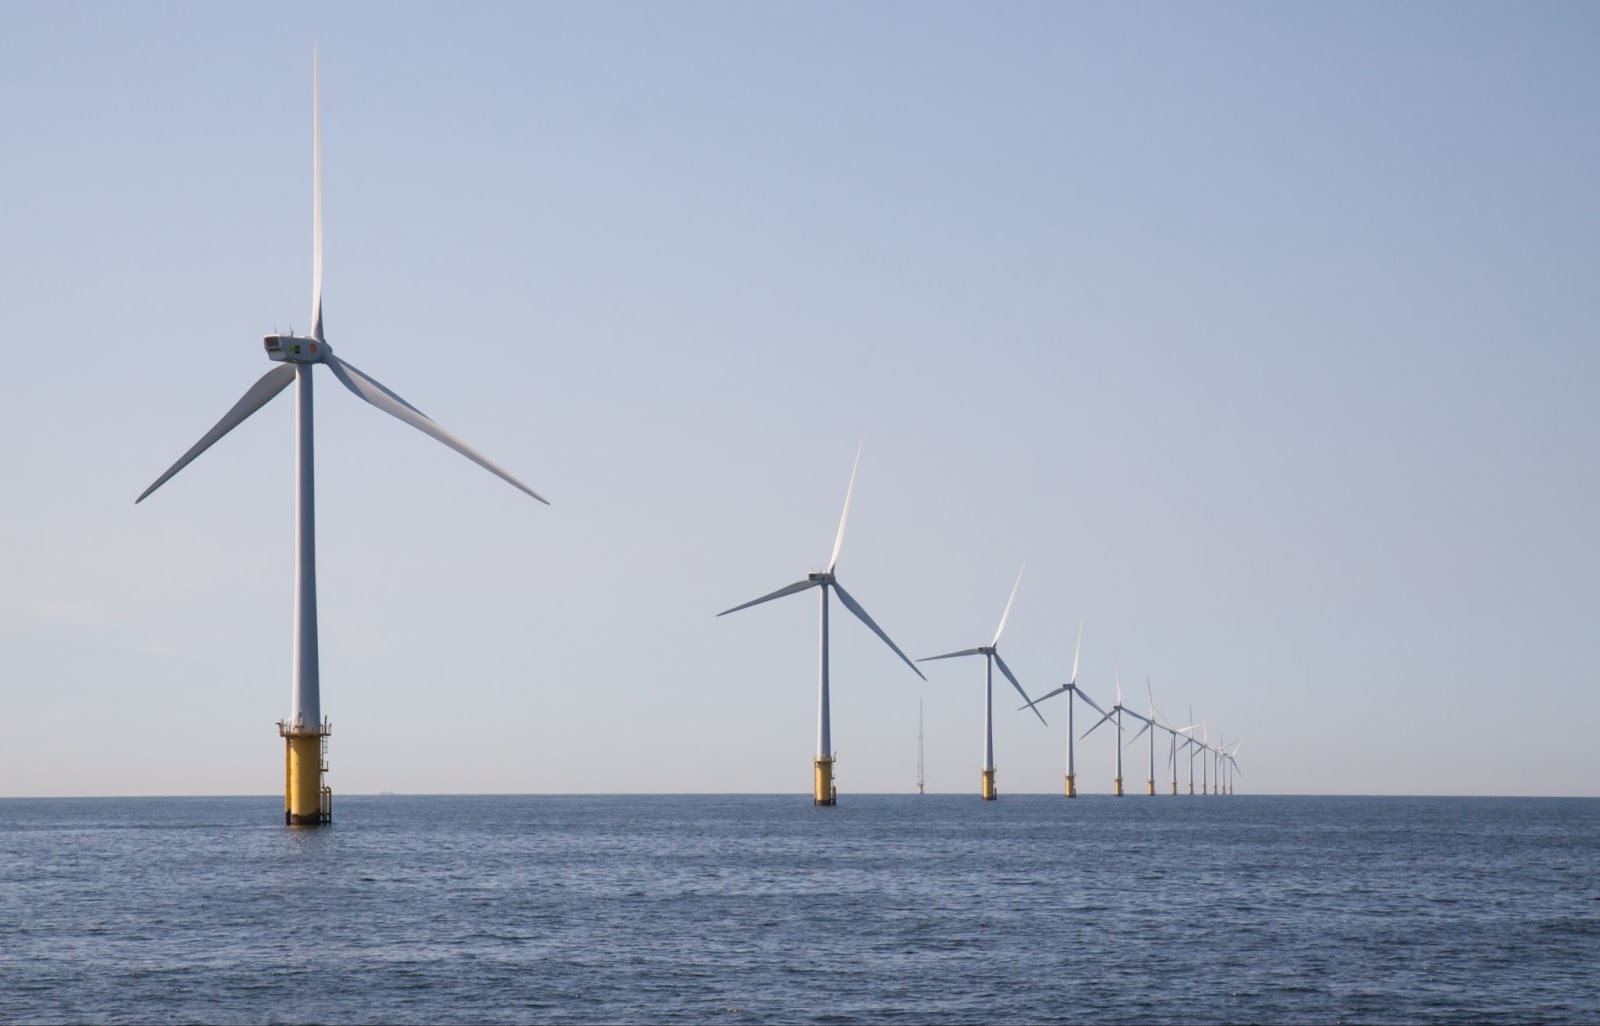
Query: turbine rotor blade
(1046, 698)
(316, 197)
(861, 614)
(1092, 703)
(259, 394)
(952, 655)
(1076, 651)
(1140, 717)
(1096, 726)
(1005, 615)
(1136, 737)
(788, 589)
(385, 400)
(838, 539)
(1014, 683)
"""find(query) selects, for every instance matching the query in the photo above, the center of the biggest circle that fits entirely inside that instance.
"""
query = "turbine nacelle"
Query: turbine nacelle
(296, 348)
(820, 577)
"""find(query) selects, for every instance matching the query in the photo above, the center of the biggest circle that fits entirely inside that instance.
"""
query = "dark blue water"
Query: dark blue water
(762, 909)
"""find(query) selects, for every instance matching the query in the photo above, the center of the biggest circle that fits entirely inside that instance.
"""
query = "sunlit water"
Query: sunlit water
(764, 909)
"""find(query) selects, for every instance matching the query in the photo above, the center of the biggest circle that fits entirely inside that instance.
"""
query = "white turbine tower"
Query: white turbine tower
(1071, 689)
(307, 801)
(822, 789)
(1116, 716)
(991, 654)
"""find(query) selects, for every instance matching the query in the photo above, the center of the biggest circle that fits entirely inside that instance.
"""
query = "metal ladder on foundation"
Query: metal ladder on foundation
(325, 805)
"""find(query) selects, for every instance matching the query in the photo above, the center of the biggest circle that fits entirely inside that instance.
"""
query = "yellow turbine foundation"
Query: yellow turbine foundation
(1118, 789)
(307, 801)
(989, 793)
(1150, 787)
(1072, 786)
(1174, 787)
(822, 790)
(1191, 787)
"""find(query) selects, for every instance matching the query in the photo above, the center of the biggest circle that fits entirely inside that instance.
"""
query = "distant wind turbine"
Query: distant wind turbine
(1233, 765)
(1115, 715)
(991, 655)
(1190, 743)
(1071, 689)
(822, 790)
(307, 800)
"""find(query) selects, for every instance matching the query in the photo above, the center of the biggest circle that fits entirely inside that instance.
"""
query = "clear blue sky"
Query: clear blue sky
(1262, 333)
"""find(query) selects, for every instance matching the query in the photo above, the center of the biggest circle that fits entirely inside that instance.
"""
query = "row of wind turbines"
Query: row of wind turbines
(308, 801)
(1217, 761)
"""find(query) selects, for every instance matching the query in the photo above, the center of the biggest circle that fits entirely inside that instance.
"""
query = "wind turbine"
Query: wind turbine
(822, 790)
(1116, 714)
(991, 656)
(1188, 746)
(1070, 688)
(307, 801)
(1233, 764)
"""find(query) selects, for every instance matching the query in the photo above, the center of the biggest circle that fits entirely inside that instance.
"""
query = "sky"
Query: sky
(1259, 336)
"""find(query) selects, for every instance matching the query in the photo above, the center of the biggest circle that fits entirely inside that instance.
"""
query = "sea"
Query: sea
(764, 909)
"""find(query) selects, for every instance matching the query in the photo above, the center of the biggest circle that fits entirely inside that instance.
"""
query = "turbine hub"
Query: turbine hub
(295, 349)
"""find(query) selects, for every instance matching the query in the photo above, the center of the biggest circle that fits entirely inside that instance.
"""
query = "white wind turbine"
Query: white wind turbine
(991, 655)
(1149, 722)
(823, 791)
(1232, 765)
(1115, 715)
(1192, 744)
(1071, 689)
(307, 801)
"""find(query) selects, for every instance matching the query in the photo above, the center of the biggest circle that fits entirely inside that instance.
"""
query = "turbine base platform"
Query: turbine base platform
(1117, 788)
(307, 800)
(1072, 786)
(1150, 787)
(1191, 789)
(989, 792)
(1174, 787)
(823, 791)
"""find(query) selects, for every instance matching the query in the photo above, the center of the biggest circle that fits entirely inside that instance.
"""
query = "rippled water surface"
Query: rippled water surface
(763, 909)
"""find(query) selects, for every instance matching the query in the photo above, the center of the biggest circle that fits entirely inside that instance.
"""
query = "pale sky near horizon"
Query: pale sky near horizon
(1262, 334)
